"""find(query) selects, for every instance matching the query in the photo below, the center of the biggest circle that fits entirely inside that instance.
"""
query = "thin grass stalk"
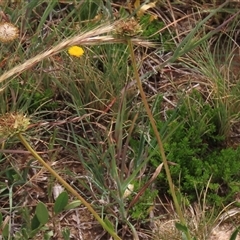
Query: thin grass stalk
(90, 38)
(159, 141)
(191, 41)
(68, 187)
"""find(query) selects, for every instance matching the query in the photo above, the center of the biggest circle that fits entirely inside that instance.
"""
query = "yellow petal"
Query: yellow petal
(75, 51)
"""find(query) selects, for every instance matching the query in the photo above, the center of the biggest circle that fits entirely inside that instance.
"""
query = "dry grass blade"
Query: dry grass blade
(89, 38)
(79, 39)
(154, 176)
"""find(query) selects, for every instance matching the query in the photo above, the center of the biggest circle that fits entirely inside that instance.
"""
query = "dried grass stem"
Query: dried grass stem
(89, 38)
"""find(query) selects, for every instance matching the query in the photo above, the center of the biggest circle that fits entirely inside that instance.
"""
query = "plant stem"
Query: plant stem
(68, 187)
(159, 141)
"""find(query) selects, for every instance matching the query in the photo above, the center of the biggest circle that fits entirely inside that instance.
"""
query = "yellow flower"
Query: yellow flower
(76, 51)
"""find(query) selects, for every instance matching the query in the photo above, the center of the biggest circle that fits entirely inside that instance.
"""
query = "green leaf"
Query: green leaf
(109, 224)
(234, 234)
(1, 218)
(5, 231)
(25, 233)
(73, 204)
(35, 222)
(66, 234)
(48, 235)
(61, 202)
(42, 213)
(181, 227)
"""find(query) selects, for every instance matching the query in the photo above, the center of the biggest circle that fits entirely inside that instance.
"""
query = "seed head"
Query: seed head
(128, 28)
(13, 123)
(8, 32)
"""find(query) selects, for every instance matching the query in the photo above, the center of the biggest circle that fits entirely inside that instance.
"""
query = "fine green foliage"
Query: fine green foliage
(216, 63)
(140, 211)
(151, 29)
(32, 225)
(194, 147)
(29, 97)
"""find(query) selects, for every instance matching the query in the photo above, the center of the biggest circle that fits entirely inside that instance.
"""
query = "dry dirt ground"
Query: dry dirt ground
(223, 233)
(168, 231)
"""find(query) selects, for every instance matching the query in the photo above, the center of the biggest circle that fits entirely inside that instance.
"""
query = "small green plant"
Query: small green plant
(31, 100)
(140, 210)
(110, 167)
(194, 147)
(14, 124)
(32, 225)
(151, 27)
(217, 66)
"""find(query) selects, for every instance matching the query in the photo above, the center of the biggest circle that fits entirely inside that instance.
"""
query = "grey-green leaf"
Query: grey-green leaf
(108, 223)
(73, 204)
(42, 213)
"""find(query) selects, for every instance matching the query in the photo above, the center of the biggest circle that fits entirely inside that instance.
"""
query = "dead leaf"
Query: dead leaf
(143, 8)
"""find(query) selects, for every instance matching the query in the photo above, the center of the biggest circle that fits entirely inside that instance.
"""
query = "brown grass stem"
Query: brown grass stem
(92, 37)
(159, 141)
(68, 187)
